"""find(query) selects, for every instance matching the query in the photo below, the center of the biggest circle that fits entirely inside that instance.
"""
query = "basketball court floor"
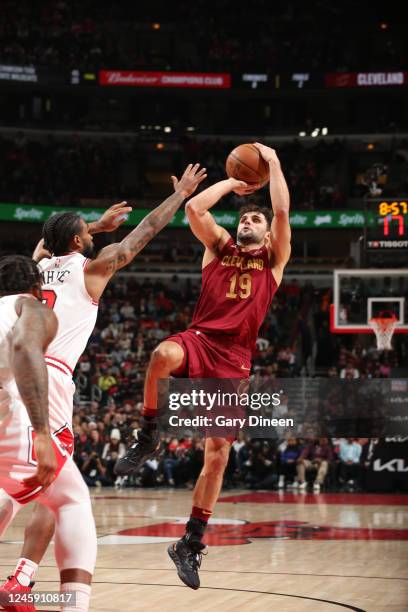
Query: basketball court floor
(288, 552)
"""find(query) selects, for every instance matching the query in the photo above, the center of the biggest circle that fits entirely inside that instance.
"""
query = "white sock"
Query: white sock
(25, 570)
(83, 595)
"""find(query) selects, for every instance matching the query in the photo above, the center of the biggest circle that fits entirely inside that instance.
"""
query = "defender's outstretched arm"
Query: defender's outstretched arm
(118, 255)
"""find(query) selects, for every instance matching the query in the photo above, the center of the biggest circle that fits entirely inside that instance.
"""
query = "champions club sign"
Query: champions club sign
(198, 80)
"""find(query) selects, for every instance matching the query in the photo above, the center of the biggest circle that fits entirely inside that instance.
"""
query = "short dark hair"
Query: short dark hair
(263, 210)
(18, 274)
(59, 230)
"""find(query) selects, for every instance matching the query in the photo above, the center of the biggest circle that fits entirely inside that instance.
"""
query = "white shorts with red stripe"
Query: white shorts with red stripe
(17, 455)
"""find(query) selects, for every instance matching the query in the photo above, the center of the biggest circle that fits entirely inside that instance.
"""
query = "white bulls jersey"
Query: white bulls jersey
(64, 291)
(18, 460)
(8, 319)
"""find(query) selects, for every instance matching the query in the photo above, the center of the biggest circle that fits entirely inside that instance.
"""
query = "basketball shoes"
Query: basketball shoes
(187, 557)
(146, 446)
(13, 587)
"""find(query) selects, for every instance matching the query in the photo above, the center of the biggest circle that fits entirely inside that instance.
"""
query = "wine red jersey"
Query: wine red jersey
(236, 293)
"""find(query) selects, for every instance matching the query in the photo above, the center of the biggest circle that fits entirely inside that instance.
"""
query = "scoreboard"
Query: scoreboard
(386, 224)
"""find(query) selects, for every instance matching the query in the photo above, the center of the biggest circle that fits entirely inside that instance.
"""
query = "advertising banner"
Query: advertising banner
(367, 79)
(388, 467)
(53, 75)
(131, 78)
(339, 219)
(24, 74)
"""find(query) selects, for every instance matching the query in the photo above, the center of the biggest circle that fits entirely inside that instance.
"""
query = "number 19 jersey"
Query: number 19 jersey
(237, 290)
(64, 290)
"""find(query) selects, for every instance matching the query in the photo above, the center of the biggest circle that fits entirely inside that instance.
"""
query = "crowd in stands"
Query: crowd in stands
(59, 173)
(135, 316)
(282, 36)
(291, 464)
(318, 177)
(80, 171)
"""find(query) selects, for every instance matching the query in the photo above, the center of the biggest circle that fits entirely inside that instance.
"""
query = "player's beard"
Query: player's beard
(248, 237)
(89, 251)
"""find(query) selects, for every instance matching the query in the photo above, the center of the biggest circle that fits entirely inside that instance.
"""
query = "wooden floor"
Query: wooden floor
(268, 551)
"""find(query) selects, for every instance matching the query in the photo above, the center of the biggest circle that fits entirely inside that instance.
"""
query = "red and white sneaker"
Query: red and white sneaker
(13, 587)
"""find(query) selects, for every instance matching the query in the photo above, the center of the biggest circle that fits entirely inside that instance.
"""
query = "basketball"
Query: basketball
(245, 163)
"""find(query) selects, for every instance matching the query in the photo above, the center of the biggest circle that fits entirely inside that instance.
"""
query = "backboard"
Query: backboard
(359, 295)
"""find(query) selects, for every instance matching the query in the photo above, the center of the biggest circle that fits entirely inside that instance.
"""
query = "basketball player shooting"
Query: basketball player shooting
(73, 280)
(239, 280)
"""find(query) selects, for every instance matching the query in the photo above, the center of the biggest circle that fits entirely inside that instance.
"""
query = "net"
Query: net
(384, 328)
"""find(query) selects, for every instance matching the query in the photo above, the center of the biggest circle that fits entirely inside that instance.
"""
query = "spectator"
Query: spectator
(261, 465)
(349, 455)
(349, 371)
(170, 461)
(240, 453)
(94, 443)
(289, 453)
(106, 382)
(315, 456)
(113, 450)
(128, 310)
(367, 458)
(94, 471)
(286, 360)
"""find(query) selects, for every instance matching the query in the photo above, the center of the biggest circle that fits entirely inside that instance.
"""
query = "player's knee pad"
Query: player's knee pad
(8, 510)
(75, 537)
(75, 533)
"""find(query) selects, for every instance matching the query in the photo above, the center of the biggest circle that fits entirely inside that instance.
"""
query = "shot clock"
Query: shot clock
(386, 224)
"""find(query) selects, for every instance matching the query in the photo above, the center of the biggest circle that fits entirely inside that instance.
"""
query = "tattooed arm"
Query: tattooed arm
(116, 256)
(34, 330)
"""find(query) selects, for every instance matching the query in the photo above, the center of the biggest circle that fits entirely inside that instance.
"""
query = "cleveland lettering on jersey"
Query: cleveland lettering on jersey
(254, 263)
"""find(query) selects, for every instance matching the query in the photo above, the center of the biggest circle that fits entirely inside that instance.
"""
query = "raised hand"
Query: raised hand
(268, 154)
(112, 218)
(190, 180)
(241, 188)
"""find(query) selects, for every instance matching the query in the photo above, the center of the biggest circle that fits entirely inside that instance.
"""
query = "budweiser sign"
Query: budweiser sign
(366, 79)
(203, 80)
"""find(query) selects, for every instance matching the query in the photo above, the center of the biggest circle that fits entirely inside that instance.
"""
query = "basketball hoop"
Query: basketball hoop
(383, 328)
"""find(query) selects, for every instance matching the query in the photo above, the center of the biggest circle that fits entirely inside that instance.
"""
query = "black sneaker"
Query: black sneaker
(187, 559)
(147, 444)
